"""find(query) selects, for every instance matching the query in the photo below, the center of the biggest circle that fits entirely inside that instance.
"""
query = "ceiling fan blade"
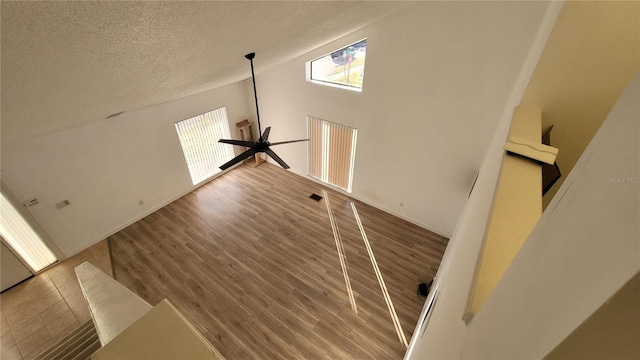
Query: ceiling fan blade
(245, 155)
(237, 142)
(266, 133)
(287, 142)
(277, 158)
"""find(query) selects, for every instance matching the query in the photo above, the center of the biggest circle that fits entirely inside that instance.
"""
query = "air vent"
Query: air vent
(31, 202)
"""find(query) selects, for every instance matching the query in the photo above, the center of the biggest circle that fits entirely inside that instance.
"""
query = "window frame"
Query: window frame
(325, 146)
(309, 70)
(207, 142)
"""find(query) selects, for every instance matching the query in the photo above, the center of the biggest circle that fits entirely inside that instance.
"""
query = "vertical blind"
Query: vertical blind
(199, 137)
(22, 239)
(332, 149)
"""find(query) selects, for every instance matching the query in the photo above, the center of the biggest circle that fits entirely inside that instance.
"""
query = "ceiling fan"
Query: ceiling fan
(263, 144)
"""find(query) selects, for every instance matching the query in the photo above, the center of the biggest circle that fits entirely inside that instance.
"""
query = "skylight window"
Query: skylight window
(199, 137)
(342, 68)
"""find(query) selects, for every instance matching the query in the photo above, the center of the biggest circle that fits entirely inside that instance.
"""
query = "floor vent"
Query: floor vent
(316, 197)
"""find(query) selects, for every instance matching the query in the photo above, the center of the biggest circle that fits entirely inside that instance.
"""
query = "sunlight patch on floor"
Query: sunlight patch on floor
(341, 254)
(383, 287)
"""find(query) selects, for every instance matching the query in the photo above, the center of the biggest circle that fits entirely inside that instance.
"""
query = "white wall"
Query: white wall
(444, 335)
(105, 168)
(583, 249)
(438, 75)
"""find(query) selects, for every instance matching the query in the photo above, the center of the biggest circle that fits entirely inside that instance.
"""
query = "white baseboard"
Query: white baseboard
(375, 205)
(144, 214)
(159, 206)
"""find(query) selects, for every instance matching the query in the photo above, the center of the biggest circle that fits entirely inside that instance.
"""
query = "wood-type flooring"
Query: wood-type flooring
(252, 262)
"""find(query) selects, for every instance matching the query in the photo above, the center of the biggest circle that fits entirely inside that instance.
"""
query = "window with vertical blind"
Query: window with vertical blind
(199, 137)
(22, 238)
(332, 152)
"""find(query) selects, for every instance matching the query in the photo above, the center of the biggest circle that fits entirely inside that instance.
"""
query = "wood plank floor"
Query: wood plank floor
(252, 261)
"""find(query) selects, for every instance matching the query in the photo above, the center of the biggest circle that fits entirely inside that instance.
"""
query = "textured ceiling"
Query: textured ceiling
(65, 64)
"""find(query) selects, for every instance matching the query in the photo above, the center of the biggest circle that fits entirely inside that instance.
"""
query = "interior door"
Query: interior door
(12, 270)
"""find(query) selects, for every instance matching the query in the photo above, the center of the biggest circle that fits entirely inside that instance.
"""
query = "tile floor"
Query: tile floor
(43, 309)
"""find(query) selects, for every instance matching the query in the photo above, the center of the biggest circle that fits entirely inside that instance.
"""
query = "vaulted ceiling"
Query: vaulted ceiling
(65, 64)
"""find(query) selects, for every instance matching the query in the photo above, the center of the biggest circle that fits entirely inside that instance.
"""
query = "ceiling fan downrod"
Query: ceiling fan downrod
(250, 56)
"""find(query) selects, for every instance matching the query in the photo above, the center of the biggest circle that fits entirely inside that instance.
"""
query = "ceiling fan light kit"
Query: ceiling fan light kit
(263, 144)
